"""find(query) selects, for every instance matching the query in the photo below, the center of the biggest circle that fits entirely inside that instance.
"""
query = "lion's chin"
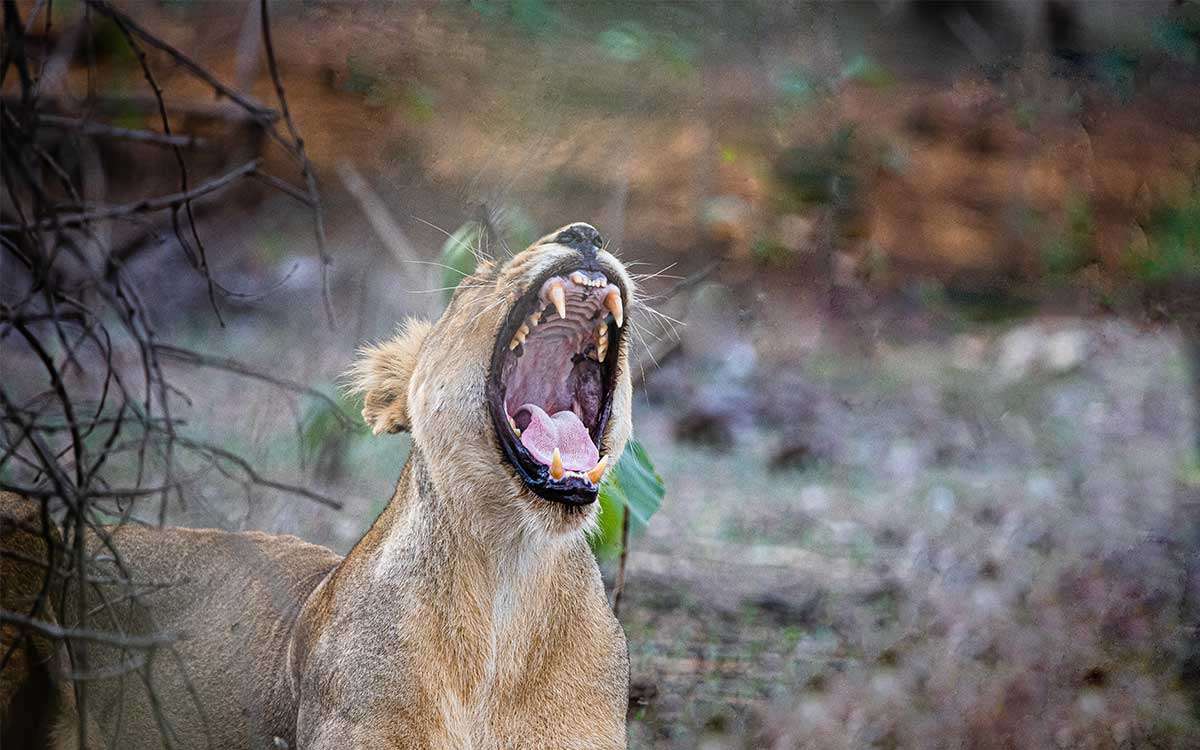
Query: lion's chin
(552, 379)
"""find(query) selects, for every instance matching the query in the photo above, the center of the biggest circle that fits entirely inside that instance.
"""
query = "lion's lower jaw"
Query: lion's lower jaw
(550, 522)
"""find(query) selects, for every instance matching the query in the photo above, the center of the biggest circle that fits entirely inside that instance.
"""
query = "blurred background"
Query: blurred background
(921, 374)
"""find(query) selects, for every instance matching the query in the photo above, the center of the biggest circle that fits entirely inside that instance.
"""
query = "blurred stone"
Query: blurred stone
(726, 218)
(795, 453)
(796, 233)
(705, 426)
(1018, 352)
(903, 460)
(814, 498)
(1064, 351)
(941, 500)
(968, 351)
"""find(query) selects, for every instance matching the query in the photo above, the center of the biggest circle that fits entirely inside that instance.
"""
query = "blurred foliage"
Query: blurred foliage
(820, 173)
(1118, 68)
(967, 304)
(769, 252)
(1173, 243)
(531, 16)
(1072, 248)
(324, 437)
(866, 70)
(626, 41)
(632, 486)
(1179, 36)
(458, 256)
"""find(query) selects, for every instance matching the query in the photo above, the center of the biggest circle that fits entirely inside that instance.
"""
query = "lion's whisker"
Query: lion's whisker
(656, 274)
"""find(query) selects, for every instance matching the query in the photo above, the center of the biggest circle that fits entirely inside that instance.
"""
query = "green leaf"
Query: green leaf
(634, 487)
(641, 488)
(634, 484)
(458, 256)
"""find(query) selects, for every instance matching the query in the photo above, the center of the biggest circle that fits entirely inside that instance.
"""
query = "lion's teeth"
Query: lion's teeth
(597, 472)
(519, 337)
(613, 302)
(556, 466)
(601, 341)
(559, 297)
(534, 319)
(579, 279)
(513, 424)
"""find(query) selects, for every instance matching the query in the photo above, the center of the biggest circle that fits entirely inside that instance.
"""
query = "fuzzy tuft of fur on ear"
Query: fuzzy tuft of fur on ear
(382, 373)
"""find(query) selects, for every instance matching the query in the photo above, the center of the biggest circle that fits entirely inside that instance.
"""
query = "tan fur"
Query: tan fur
(382, 374)
(470, 615)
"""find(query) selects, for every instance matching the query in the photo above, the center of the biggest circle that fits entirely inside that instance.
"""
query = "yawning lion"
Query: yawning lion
(470, 615)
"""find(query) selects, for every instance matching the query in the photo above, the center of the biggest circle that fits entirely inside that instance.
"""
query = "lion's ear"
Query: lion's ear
(382, 373)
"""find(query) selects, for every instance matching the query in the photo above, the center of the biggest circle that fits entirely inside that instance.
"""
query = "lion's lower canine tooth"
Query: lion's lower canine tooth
(598, 471)
(556, 467)
(613, 302)
(559, 298)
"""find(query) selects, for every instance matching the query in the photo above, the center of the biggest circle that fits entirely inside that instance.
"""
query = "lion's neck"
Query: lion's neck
(489, 597)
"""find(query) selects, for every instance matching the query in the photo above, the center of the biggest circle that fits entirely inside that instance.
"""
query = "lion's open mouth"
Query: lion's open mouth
(550, 388)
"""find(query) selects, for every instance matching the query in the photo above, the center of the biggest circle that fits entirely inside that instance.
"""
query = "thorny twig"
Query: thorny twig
(310, 179)
(140, 207)
(86, 425)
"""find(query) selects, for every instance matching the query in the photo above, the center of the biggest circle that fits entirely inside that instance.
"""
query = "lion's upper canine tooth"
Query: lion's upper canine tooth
(613, 302)
(559, 298)
(556, 466)
(598, 470)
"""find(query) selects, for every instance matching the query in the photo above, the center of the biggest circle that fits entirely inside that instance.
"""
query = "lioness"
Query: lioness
(470, 615)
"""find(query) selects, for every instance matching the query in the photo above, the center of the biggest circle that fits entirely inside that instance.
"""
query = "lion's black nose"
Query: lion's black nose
(581, 237)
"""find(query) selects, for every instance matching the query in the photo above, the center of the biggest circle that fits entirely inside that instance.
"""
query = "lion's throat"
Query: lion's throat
(564, 431)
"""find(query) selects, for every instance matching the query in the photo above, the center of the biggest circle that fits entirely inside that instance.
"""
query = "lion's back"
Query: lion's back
(200, 617)
(231, 599)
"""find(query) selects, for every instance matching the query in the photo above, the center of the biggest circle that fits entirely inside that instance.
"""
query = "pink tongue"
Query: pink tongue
(563, 431)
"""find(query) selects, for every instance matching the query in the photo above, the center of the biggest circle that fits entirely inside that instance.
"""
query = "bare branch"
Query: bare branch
(90, 127)
(144, 206)
(266, 114)
(232, 365)
(310, 179)
(50, 630)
